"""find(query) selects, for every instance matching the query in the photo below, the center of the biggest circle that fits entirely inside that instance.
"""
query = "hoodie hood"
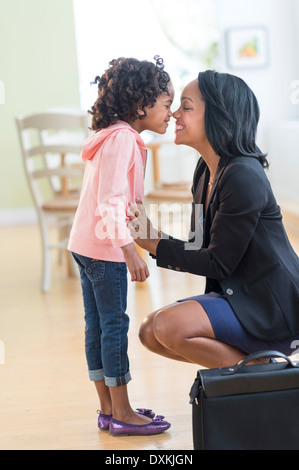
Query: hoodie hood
(92, 143)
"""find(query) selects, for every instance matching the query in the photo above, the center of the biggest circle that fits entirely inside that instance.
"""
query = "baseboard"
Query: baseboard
(18, 216)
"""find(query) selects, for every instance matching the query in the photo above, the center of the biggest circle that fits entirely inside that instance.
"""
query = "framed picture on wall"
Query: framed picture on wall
(247, 47)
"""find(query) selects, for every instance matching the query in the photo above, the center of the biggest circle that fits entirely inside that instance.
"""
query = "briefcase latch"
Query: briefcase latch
(194, 392)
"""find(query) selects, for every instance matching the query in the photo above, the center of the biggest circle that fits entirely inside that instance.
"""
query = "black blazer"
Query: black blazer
(244, 251)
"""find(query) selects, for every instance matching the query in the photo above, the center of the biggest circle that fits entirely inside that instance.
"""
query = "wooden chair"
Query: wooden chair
(178, 191)
(51, 144)
(166, 197)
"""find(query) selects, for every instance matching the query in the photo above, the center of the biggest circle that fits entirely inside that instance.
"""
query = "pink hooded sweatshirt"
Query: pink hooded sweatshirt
(114, 177)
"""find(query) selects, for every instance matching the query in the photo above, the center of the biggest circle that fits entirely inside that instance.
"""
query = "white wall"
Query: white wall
(278, 133)
(272, 85)
(39, 69)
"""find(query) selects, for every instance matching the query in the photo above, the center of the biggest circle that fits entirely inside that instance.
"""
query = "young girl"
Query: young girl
(133, 96)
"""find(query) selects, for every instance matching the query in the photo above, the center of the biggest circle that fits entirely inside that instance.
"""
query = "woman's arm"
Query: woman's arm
(242, 195)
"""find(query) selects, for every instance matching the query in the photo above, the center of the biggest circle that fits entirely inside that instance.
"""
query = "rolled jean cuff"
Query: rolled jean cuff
(95, 375)
(117, 381)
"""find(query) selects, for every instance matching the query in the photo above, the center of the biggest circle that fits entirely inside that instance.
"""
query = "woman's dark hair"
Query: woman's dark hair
(125, 87)
(231, 115)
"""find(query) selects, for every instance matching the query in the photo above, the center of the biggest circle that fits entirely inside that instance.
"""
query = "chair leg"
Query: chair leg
(71, 265)
(46, 256)
(46, 273)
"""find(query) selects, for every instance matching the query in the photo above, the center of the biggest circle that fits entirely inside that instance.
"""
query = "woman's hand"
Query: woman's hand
(140, 225)
(142, 230)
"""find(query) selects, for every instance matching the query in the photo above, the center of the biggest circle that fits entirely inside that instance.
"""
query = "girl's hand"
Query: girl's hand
(135, 264)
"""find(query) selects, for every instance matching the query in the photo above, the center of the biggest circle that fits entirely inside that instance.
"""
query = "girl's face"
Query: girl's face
(190, 118)
(158, 116)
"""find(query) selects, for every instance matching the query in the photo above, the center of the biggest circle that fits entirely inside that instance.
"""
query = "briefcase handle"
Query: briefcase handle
(258, 355)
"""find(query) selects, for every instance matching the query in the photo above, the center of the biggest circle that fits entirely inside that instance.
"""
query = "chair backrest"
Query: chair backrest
(51, 144)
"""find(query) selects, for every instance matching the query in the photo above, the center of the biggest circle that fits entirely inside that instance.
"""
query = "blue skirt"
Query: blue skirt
(229, 330)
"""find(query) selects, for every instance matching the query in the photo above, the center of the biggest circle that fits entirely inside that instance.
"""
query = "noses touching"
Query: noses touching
(174, 115)
(177, 116)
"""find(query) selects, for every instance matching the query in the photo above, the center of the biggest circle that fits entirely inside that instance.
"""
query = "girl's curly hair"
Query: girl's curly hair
(127, 85)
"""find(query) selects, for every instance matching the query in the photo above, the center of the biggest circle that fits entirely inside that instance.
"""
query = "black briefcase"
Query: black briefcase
(247, 407)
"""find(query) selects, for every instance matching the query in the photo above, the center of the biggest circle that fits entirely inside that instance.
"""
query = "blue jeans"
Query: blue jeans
(104, 288)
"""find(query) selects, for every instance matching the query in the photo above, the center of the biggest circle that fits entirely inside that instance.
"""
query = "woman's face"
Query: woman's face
(190, 118)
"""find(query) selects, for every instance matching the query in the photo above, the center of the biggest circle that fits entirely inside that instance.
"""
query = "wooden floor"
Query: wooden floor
(46, 399)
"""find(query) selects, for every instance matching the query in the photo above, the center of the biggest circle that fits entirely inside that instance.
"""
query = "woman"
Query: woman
(251, 302)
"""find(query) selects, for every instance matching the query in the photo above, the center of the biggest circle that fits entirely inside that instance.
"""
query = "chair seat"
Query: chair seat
(172, 194)
(73, 193)
(62, 203)
(185, 185)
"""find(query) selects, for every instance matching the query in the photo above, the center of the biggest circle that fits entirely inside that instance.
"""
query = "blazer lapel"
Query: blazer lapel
(199, 182)
(223, 162)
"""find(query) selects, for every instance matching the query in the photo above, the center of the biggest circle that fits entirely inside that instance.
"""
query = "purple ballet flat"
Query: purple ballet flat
(158, 425)
(145, 412)
(104, 420)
